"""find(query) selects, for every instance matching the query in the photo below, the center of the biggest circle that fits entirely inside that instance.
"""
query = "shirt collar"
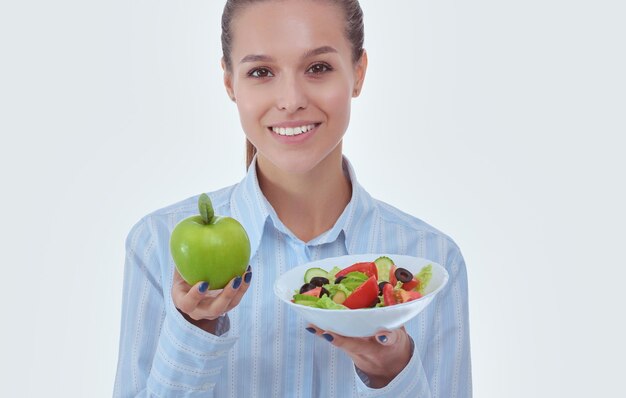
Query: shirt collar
(252, 209)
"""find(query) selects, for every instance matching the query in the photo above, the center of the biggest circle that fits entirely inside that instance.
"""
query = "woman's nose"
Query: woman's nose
(291, 94)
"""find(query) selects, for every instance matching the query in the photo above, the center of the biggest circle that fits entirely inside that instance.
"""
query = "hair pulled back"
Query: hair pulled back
(353, 28)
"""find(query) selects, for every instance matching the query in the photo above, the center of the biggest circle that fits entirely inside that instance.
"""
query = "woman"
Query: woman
(292, 68)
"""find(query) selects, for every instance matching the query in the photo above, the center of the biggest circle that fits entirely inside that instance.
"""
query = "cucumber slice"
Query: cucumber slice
(383, 266)
(305, 299)
(313, 272)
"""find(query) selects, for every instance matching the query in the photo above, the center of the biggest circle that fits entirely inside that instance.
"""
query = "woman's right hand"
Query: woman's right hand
(202, 306)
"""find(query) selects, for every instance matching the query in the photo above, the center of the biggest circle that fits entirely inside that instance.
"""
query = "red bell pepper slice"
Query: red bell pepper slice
(364, 295)
(411, 285)
(388, 296)
(368, 268)
(392, 276)
(402, 296)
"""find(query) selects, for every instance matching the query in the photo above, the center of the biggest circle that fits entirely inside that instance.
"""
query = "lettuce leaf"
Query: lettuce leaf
(333, 273)
(334, 288)
(424, 277)
(326, 303)
(354, 280)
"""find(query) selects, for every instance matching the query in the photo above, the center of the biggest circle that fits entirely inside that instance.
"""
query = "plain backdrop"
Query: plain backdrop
(501, 123)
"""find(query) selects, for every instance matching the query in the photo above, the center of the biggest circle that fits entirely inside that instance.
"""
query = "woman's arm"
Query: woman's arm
(430, 363)
(161, 353)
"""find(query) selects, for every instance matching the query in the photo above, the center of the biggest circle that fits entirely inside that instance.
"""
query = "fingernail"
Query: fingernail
(310, 330)
(248, 269)
(328, 337)
(247, 277)
(382, 338)
(237, 282)
(203, 287)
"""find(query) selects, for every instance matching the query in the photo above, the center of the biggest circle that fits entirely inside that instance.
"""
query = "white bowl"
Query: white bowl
(366, 321)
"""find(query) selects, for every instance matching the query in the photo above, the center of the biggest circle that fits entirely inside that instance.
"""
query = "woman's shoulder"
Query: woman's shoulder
(409, 234)
(219, 199)
(393, 216)
(166, 217)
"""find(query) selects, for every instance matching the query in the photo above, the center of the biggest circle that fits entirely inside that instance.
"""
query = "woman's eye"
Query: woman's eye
(319, 68)
(260, 72)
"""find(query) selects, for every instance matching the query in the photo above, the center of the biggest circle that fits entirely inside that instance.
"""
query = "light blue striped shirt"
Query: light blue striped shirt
(263, 349)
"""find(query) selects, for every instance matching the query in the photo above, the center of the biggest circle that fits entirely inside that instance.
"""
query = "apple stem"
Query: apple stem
(206, 208)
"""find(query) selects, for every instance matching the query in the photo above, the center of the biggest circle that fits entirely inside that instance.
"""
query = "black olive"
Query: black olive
(403, 275)
(381, 286)
(319, 281)
(376, 301)
(324, 292)
(306, 287)
(339, 279)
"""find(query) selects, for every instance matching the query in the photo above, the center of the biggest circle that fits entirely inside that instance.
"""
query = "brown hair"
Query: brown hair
(354, 33)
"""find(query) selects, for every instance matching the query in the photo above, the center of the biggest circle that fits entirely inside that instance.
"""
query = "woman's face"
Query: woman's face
(293, 79)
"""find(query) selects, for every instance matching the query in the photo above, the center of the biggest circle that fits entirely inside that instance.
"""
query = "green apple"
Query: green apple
(209, 248)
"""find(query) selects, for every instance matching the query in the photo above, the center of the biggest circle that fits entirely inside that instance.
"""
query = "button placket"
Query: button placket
(302, 251)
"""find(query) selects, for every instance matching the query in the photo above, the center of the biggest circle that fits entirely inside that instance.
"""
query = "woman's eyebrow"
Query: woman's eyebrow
(319, 51)
(256, 58)
(308, 54)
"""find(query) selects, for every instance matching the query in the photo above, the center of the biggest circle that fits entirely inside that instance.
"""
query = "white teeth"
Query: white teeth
(293, 131)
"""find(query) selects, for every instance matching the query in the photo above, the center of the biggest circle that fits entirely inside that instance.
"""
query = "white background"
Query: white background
(500, 123)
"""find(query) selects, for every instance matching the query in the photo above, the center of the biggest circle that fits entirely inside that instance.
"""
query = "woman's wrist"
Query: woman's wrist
(383, 369)
(208, 325)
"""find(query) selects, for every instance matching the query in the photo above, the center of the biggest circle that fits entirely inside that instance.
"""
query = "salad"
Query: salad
(362, 285)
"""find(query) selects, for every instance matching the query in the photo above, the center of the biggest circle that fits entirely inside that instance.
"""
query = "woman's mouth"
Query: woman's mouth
(293, 131)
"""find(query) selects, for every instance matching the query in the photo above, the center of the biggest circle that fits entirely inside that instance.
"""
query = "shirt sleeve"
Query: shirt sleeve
(442, 369)
(160, 353)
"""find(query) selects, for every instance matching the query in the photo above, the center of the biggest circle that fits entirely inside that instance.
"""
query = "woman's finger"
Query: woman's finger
(348, 344)
(221, 304)
(360, 345)
(352, 345)
(247, 278)
(179, 281)
(188, 300)
(388, 337)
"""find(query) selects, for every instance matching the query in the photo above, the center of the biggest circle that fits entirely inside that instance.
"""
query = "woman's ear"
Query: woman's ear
(228, 81)
(359, 74)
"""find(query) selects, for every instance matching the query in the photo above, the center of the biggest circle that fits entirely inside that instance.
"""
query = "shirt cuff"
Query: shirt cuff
(411, 381)
(188, 359)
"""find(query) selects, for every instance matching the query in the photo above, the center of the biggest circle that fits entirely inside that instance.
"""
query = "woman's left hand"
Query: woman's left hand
(381, 357)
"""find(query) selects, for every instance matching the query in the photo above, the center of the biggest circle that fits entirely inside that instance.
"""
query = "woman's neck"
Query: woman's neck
(309, 203)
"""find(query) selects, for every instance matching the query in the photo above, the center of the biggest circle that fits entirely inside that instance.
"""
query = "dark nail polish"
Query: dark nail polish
(311, 330)
(328, 337)
(248, 269)
(247, 277)
(382, 338)
(237, 282)
(204, 286)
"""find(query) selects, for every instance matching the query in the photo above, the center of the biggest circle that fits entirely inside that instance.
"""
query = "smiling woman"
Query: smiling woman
(293, 83)
(298, 73)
